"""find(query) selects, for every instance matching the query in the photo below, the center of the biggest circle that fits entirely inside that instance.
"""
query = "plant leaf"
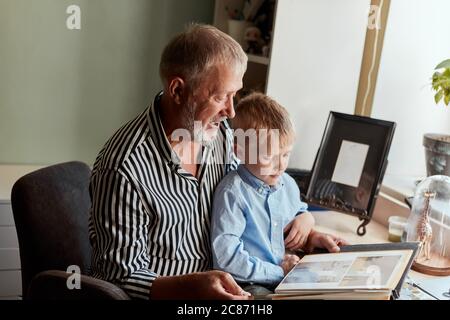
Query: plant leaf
(443, 83)
(447, 99)
(436, 75)
(439, 96)
(435, 81)
(444, 64)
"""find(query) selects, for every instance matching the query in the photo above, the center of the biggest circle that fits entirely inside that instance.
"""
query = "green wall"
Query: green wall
(64, 92)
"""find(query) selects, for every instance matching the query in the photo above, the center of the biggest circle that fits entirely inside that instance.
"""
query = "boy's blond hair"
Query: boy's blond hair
(258, 111)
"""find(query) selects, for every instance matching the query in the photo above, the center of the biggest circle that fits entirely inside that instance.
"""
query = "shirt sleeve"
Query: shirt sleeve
(119, 234)
(294, 195)
(227, 226)
(302, 206)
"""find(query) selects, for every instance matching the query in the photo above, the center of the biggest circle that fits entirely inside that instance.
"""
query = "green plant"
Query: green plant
(441, 82)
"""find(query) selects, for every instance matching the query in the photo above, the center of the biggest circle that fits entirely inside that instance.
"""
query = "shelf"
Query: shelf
(258, 59)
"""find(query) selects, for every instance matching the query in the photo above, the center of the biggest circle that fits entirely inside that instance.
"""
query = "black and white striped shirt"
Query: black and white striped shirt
(149, 217)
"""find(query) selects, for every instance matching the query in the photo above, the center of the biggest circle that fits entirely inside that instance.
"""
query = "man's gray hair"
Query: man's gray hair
(193, 53)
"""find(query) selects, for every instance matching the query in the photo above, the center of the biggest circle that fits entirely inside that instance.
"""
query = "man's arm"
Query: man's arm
(211, 285)
(120, 224)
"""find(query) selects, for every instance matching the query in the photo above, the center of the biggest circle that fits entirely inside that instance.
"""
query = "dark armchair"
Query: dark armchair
(51, 212)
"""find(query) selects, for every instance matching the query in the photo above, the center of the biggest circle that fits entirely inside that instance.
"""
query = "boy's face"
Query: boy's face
(271, 165)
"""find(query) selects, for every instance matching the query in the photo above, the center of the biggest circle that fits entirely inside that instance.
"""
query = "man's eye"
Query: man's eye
(286, 155)
(221, 98)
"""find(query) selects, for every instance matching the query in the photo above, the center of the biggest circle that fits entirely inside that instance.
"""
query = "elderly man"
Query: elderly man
(152, 185)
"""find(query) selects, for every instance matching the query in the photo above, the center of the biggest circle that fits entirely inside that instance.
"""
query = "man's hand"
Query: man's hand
(289, 261)
(325, 241)
(298, 231)
(211, 285)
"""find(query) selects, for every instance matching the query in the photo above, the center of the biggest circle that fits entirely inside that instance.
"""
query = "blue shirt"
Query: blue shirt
(247, 225)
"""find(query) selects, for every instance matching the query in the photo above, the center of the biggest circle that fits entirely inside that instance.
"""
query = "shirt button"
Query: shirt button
(275, 224)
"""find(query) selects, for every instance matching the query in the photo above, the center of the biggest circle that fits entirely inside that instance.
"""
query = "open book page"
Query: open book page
(351, 295)
(346, 271)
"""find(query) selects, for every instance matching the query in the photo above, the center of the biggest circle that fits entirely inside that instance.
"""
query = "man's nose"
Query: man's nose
(230, 108)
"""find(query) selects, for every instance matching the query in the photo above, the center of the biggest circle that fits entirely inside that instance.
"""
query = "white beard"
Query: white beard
(195, 128)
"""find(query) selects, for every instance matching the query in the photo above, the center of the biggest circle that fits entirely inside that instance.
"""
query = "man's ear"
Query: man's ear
(177, 89)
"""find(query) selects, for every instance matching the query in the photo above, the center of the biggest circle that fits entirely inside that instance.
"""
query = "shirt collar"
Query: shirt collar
(159, 135)
(160, 139)
(256, 183)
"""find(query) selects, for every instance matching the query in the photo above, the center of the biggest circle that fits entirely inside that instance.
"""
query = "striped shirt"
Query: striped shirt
(149, 217)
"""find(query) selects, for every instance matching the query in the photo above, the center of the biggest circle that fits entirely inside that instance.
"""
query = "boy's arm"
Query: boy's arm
(227, 226)
(298, 230)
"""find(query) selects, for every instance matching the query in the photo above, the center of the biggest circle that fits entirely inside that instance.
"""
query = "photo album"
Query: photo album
(357, 272)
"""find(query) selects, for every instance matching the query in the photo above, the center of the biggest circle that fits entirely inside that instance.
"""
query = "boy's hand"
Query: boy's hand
(325, 241)
(289, 261)
(298, 231)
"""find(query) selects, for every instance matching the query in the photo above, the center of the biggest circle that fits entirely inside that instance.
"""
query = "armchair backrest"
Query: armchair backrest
(51, 211)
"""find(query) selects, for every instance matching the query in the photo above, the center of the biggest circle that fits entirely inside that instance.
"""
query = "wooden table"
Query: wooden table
(345, 226)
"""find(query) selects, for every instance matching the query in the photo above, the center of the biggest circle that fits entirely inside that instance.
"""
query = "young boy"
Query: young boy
(257, 211)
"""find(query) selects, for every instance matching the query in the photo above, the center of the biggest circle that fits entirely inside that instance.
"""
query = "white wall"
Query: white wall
(315, 65)
(64, 92)
(417, 39)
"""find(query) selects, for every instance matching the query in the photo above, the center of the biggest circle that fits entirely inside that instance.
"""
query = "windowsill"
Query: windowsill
(399, 187)
(391, 200)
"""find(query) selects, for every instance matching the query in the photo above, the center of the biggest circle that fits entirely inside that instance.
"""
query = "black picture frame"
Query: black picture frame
(374, 138)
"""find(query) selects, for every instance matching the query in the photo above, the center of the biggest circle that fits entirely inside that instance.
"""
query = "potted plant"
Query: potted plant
(437, 146)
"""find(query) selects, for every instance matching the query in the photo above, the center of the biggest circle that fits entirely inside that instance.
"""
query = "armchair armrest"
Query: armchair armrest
(52, 285)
